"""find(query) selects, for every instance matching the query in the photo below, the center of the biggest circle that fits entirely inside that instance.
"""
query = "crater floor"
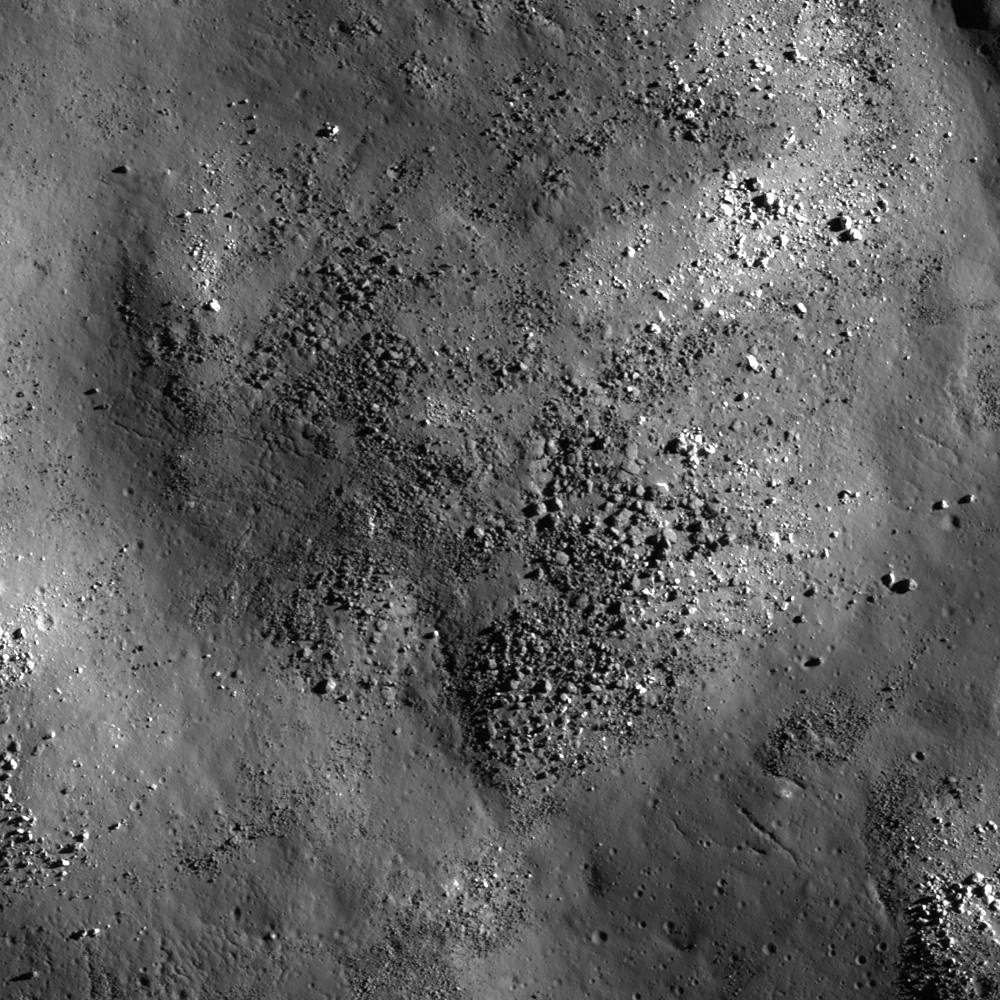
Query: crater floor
(498, 500)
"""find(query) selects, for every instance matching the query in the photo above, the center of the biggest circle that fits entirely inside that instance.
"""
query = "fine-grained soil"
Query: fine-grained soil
(497, 500)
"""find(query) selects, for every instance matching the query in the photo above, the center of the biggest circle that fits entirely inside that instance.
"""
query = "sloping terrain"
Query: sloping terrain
(499, 500)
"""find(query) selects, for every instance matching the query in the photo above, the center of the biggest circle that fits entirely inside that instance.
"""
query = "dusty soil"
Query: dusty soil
(498, 500)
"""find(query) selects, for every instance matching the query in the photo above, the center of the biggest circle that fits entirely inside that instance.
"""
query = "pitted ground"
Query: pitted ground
(454, 456)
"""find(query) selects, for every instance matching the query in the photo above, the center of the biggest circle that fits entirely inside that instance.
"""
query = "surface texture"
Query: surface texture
(498, 500)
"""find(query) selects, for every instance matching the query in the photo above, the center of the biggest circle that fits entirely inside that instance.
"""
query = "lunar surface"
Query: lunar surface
(498, 500)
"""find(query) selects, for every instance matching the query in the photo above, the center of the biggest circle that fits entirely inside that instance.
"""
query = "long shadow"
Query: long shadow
(976, 15)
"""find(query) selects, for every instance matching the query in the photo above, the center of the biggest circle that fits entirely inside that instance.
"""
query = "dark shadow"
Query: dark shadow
(976, 15)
